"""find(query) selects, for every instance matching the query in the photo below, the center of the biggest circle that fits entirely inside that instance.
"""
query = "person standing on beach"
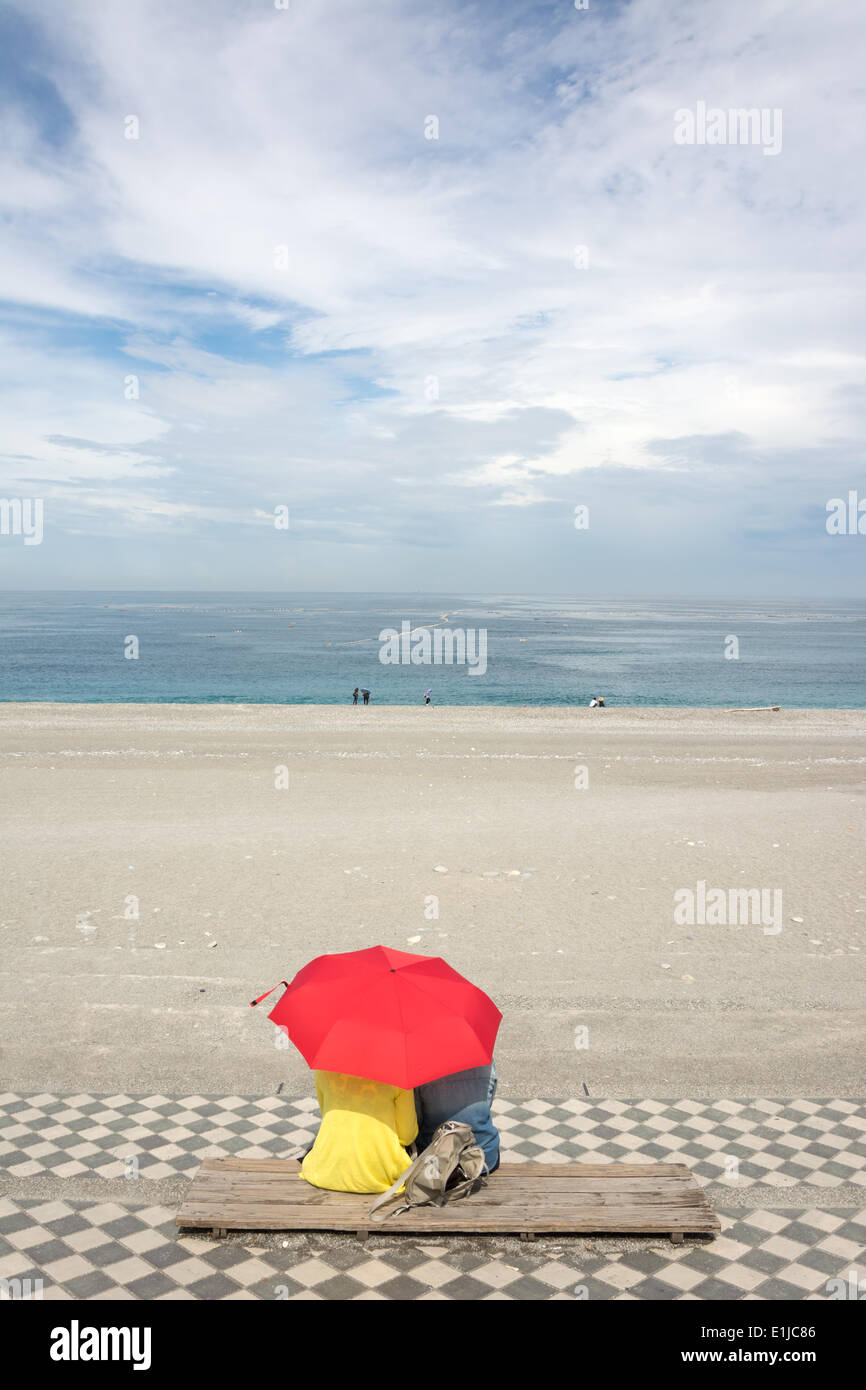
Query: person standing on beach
(366, 695)
(427, 694)
(355, 696)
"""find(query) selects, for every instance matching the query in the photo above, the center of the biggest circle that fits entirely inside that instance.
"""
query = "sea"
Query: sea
(309, 648)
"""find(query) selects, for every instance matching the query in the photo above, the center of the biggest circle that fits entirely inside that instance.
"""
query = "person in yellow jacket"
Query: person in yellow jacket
(361, 1143)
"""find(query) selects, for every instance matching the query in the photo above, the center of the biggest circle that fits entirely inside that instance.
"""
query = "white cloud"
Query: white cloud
(718, 301)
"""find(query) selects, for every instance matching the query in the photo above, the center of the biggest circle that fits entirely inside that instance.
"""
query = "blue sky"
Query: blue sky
(394, 335)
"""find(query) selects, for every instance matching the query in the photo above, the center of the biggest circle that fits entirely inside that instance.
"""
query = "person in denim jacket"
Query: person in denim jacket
(465, 1096)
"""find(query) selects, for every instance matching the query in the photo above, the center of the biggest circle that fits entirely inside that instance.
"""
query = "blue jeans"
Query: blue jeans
(465, 1096)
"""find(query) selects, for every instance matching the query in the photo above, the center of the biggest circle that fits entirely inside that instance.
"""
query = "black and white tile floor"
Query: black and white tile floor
(131, 1249)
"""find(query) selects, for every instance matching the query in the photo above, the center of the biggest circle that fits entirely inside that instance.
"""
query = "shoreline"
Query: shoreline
(690, 724)
(610, 712)
(660, 710)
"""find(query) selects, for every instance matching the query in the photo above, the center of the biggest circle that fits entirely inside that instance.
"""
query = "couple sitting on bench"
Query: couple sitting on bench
(367, 1126)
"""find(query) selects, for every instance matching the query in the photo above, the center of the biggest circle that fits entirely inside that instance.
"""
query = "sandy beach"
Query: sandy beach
(539, 850)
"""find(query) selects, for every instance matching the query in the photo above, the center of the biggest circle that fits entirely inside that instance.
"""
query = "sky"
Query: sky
(430, 277)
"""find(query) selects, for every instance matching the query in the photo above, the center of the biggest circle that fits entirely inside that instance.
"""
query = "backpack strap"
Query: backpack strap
(462, 1189)
(392, 1190)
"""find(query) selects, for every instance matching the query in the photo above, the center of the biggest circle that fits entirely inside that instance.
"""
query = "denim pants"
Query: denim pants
(465, 1096)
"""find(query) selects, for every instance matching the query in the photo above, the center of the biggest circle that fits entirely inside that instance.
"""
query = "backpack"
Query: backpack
(452, 1166)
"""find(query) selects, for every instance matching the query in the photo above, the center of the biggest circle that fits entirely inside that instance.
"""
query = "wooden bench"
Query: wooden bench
(267, 1194)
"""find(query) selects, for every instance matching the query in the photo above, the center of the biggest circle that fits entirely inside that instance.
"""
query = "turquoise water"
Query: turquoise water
(314, 648)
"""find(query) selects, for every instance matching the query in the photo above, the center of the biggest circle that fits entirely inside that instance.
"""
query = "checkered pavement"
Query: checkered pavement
(87, 1250)
(783, 1142)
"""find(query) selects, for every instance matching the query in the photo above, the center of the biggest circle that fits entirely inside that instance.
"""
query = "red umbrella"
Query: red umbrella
(387, 1015)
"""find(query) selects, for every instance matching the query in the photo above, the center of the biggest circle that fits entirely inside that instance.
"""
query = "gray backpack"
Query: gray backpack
(451, 1166)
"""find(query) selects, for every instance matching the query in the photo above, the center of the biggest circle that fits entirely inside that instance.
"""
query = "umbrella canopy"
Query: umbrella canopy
(387, 1015)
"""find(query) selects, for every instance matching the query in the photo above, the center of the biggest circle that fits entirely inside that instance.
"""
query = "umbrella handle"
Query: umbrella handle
(253, 1002)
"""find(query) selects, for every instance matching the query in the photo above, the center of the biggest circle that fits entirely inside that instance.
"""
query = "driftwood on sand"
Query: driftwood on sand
(751, 709)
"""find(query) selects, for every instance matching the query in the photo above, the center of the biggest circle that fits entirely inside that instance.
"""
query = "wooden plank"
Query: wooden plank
(624, 1224)
(450, 1214)
(268, 1194)
(246, 1182)
(482, 1199)
(615, 1219)
(239, 1179)
(527, 1174)
(505, 1171)
(481, 1211)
